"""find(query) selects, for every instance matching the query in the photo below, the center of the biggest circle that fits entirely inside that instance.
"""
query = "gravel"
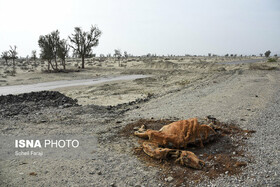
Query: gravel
(250, 99)
(12, 105)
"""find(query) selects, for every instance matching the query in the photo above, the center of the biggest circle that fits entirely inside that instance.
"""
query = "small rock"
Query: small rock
(168, 179)
(66, 105)
(33, 174)
(99, 173)
(91, 173)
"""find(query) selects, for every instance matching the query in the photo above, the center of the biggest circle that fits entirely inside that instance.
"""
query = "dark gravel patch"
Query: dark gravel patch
(12, 105)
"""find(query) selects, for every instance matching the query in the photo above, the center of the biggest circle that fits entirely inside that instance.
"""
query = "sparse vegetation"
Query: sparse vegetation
(183, 82)
(52, 48)
(118, 55)
(13, 54)
(34, 57)
(272, 59)
(261, 67)
(5, 56)
(267, 53)
(83, 42)
(46, 44)
(125, 54)
(62, 52)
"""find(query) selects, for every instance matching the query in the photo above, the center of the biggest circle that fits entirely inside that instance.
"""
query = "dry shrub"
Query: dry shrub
(261, 67)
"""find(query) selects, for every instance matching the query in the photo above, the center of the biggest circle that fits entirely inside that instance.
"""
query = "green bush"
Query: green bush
(272, 59)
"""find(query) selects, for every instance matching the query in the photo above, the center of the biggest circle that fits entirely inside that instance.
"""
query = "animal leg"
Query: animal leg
(153, 150)
(142, 133)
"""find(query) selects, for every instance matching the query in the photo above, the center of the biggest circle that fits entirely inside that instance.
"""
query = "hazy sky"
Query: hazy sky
(147, 26)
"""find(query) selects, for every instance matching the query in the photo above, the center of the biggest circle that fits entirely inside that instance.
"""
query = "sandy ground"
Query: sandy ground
(168, 74)
(179, 88)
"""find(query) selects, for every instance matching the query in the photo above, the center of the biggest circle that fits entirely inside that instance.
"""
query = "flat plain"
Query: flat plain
(246, 94)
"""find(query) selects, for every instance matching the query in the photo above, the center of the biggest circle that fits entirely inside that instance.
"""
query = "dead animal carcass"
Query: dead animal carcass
(172, 140)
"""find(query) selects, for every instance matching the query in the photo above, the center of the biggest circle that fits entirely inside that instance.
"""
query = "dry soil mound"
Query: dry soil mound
(12, 105)
(160, 65)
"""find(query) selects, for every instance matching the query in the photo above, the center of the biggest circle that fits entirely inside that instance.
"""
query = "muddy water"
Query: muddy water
(17, 89)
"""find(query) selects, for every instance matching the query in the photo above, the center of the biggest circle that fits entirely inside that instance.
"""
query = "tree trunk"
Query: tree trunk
(50, 63)
(55, 63)
(83, 62)
(64, 64)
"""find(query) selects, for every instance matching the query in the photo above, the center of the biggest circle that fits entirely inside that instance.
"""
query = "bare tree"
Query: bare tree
(5, 56)
(13, 54)
(55, 45)
(34, 57)
(62, 52)
(84, 42)
(118, 55)
(125, 54)
(102, 57)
